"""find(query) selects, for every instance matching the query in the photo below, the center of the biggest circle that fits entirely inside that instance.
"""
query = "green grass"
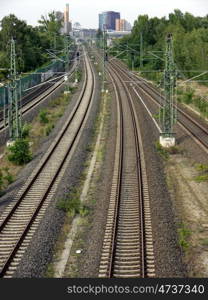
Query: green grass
(49, 128)
(201, 178)
(43, 116)
(183, 235)
(201, 167)
(162, 151)
(204, 242)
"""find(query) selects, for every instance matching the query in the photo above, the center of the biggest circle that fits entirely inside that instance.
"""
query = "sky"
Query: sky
(86, 11)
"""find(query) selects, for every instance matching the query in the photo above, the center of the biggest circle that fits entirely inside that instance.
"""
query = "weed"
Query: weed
(162, 151)
(49, 128)
(43, 118)
(8, 177)
(201, 167)
(204, 242)
(71, 204)
(83, 211)
(184, 233)
(201, 178)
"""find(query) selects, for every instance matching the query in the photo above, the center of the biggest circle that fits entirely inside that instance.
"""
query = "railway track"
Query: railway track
(128, 244)
(195, 129)
(22, 217)
(39, 94)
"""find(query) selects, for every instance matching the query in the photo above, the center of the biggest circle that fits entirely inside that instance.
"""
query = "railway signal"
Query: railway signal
(168, 115)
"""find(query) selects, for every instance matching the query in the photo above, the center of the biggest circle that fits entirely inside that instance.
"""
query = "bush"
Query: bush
(26, 130)
(43, 117)
(20, 152)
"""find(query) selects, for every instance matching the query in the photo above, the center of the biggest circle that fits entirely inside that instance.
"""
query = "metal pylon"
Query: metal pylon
(14, 115)
(168, 110)
(104, 56)
(66, 53)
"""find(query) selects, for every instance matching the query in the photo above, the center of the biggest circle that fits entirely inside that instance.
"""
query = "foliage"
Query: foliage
(26, 130)
(19, 152)
(8, 176)
(31, 42)
(49, 128)
(184, 233)
(162, 151)
(70, 205)
(203, 176)
(5, 175)
(190, 39)
(43, 117)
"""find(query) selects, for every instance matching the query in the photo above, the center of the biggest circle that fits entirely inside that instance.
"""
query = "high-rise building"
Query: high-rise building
(122, 25)
(108, 18)
(67, 23)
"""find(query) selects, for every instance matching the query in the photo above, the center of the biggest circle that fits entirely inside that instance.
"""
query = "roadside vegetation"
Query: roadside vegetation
(190, 39)
(31, 42)
(203, 173)
(166, 152)
(189, 97)
(184, 234)
(21, 152)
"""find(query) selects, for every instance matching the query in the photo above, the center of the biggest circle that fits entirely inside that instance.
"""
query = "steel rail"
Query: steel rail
(36, 190)
(129, 218)
(200, 133)
(34, 98)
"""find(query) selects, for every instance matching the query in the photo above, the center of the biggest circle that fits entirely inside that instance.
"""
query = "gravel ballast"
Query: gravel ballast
(39, 252)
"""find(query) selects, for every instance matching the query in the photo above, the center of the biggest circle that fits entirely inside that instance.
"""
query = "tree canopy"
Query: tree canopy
(190, 36)
(31, 42)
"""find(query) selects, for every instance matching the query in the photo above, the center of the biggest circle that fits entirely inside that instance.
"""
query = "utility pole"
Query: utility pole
(168, 115)
(14, 117)
(141, 50)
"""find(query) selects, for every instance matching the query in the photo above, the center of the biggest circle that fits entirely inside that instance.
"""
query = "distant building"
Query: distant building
(84, 33)
(77, 26)
(67, 23)
(108, 18)
(122, 25)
